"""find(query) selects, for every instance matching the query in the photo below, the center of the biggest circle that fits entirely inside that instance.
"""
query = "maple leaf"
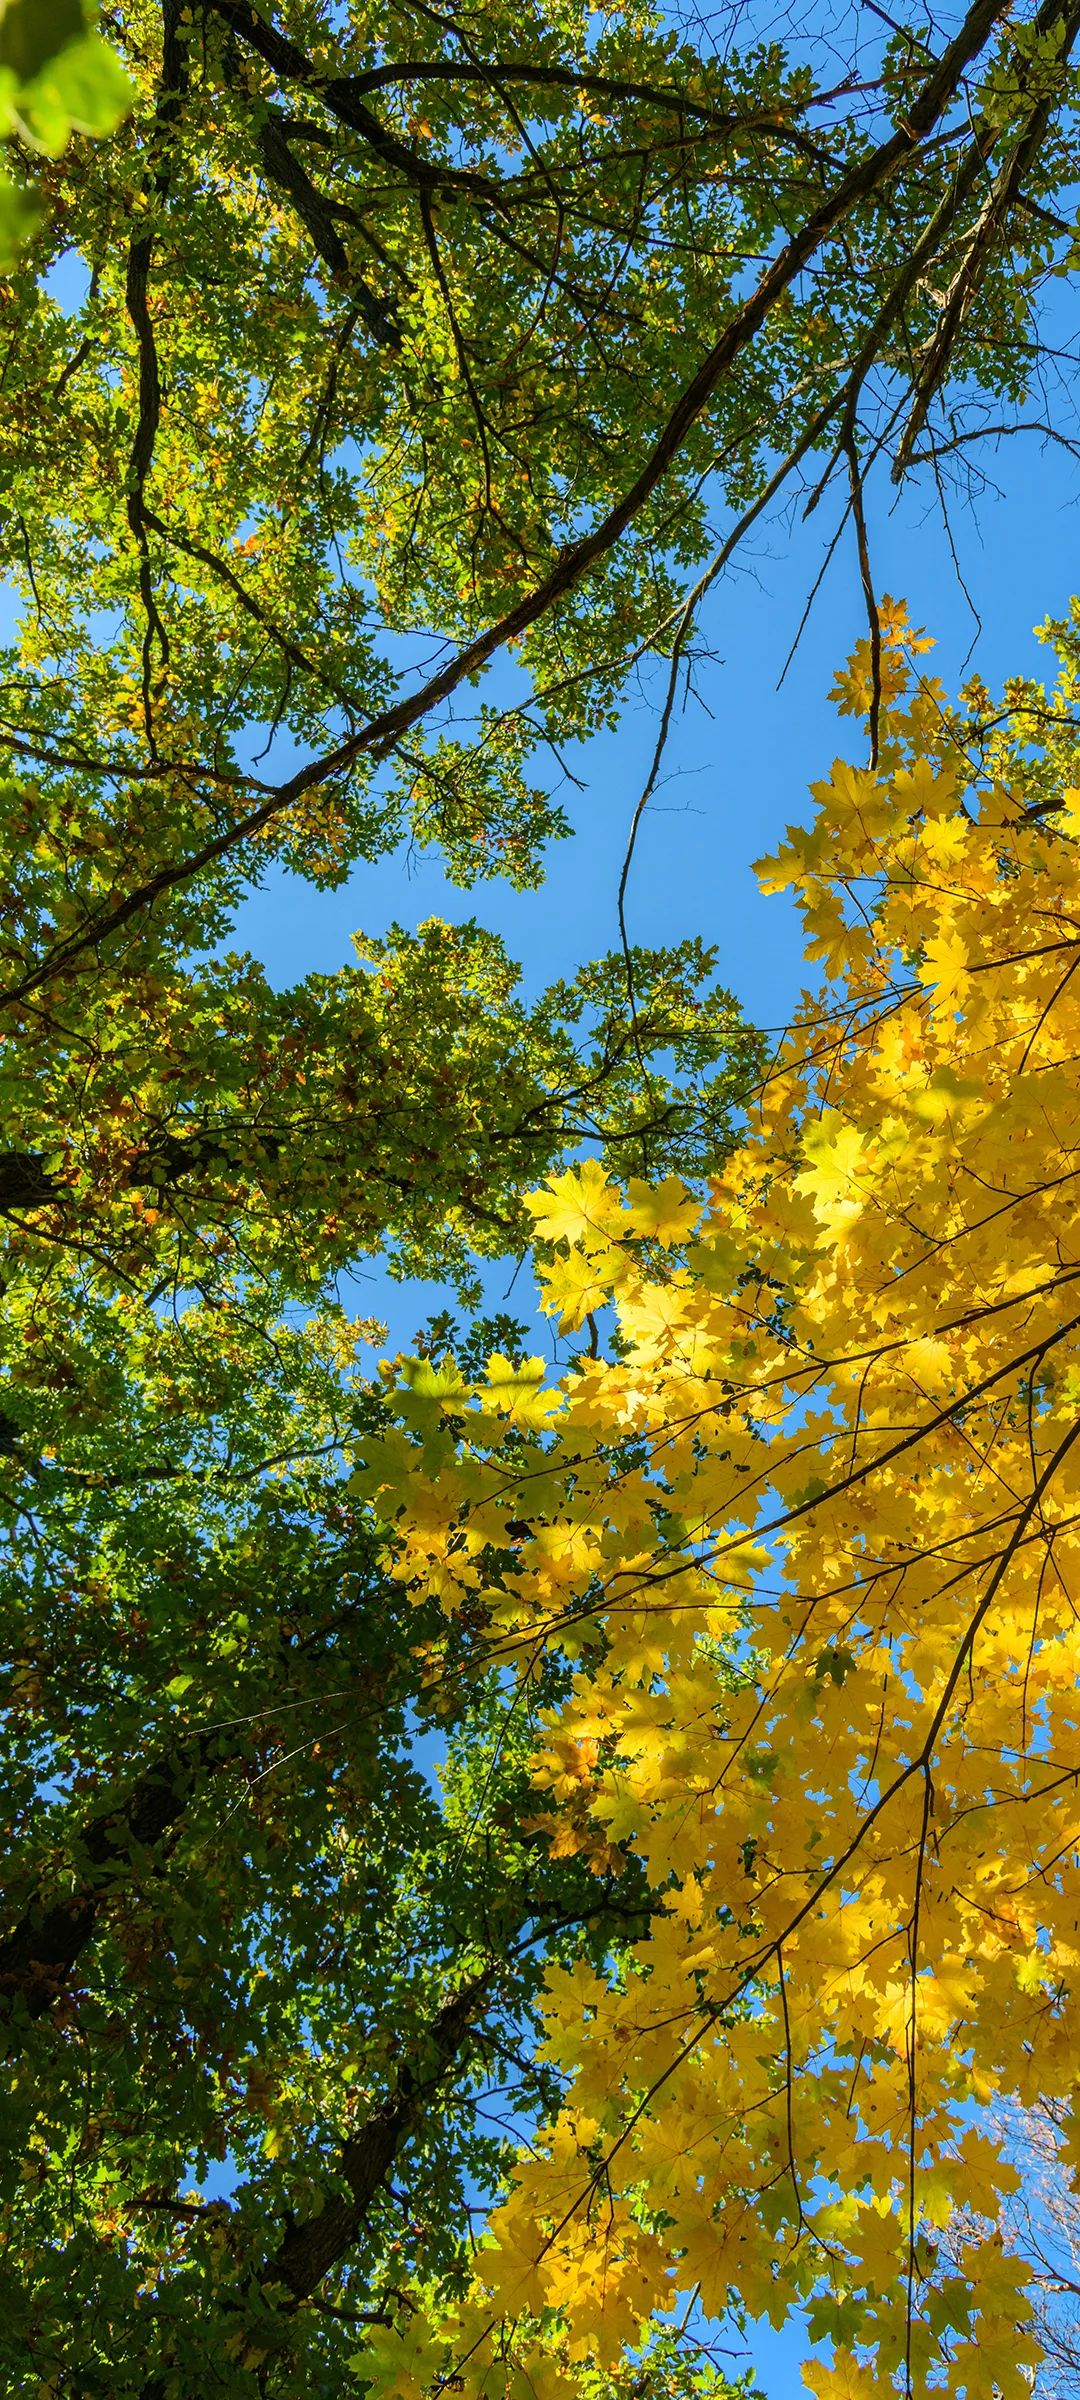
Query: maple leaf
(844, 2379)
(580, 1205)
(582, 1282)
(945, 968)
(666, 1212)
(835, 1180)
(930, 1361)
(519, 1392)
(718, 1259)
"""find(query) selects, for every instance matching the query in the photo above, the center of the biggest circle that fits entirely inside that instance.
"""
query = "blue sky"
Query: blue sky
(739, 763)
(740, 759)
(739, 766)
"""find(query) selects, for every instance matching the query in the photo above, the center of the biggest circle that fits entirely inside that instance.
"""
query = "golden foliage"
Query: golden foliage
(815, 1529)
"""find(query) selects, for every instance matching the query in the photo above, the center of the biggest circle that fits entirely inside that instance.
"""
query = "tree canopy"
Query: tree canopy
(833, 1439)
(511, 1873)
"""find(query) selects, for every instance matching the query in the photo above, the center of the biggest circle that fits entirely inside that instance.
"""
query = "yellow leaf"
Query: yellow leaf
(837, 1154)
(577, 1285)
(666, 1211)
(944, 970)
(579, 1206)
(930, 1361)
(843, 2380)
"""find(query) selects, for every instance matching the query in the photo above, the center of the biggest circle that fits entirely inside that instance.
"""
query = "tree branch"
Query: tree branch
(575, 563)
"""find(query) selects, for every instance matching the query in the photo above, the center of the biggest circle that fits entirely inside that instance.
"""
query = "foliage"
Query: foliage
(839, 1424)
(183, 1117)
(57, 77)
(363, 353)
(360, 1741)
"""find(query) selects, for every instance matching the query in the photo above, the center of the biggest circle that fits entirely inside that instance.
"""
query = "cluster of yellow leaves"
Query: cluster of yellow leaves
(815, 1531)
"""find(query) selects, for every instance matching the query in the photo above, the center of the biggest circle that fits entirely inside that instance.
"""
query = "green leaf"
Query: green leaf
(81, 89)
(33, 31)
(837, 1662)
(20, 211)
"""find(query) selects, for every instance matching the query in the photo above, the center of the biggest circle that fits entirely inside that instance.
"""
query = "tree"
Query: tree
(466, 335)
(349, 367)
(834, 1438)
(1040, 2219)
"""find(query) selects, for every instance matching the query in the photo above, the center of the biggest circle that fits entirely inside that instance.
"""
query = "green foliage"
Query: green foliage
(181, 1120)
(369, 341)
(209, 1664)
(57, 78)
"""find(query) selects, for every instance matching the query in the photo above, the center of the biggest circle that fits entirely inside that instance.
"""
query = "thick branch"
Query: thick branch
(140, 255)
(38, 1955)
(566, 79)
(292, 65)
(316, 214)
(309, 2249)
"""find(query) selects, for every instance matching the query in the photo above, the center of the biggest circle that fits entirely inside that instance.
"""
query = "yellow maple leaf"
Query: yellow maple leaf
(519, 1391)
(579, 1206)
(926, 788)
(844, 2379)
(931, 1362)
(665, 1212)
(946, 1097)
(944, 970)
(834, 1181)
(580, 1283)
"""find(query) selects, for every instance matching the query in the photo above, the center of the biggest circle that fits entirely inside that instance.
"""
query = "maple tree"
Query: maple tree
(834, 1437)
